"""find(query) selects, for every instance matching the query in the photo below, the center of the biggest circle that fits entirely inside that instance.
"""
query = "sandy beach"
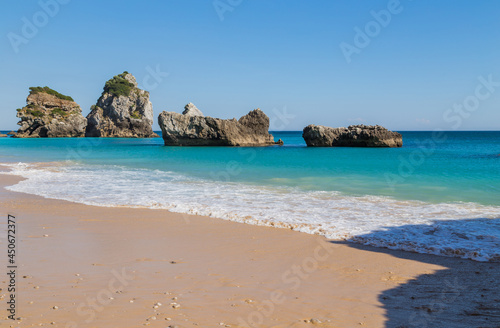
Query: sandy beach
(86, 266)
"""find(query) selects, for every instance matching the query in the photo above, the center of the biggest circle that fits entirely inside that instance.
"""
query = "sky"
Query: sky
(406, 65)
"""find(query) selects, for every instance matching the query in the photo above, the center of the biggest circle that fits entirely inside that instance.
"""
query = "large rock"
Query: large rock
(193, 129)
(353, 136)
(123, 110)
(50, 114)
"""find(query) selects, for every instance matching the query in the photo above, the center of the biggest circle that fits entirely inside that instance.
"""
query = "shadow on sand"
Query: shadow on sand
(465, 294)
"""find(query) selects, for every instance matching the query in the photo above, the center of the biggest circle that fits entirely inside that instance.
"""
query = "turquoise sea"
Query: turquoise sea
(438, 194)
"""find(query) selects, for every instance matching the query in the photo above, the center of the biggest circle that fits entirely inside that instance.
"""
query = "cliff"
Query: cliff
(123, 110)
(50, 114)
(352, 136)
(193, 129)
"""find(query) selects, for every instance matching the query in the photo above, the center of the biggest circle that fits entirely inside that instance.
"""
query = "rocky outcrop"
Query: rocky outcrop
(353, 136)
(3, 135)
(193, 129)
(191, 110)
(11, 133)
(50, 114)
(123, 110)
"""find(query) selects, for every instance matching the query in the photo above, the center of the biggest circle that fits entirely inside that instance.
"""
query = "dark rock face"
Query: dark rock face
(123, 110)
(193, 129)
(353, 136)
(50, 114)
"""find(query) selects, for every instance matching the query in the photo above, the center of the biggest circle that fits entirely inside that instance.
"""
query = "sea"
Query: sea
(438, 194)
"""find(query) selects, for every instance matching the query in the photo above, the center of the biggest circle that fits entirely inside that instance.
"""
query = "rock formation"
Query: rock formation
(123, 110)
(50, 114)
(193, 129)
(353, 136)
(3, 135)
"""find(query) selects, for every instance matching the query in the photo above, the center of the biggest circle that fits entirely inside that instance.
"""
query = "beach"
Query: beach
(89, 266)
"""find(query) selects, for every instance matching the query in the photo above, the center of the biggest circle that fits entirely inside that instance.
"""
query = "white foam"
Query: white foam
(466, 230)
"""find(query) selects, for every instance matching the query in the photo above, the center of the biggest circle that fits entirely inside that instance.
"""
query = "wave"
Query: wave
(441, 229)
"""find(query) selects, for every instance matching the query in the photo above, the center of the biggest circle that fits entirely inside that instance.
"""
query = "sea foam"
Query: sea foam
(466, 230)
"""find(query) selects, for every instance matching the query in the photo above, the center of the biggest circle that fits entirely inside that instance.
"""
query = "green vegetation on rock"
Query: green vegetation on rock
(36, 112)
(59, 111)
(135, 114)
(118, 85)
(35, 90)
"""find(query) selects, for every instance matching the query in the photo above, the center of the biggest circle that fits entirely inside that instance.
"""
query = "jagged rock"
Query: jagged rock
(123, 110)
(191, 110)
(353, 136)
(188, 130)
(11, 133)
(50, 114)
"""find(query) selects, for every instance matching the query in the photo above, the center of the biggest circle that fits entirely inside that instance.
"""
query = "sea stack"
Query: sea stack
(123, 110)
(50, 114)
(352, 136)
(192, 128)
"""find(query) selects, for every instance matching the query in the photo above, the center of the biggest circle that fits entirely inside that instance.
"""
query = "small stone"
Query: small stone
(315, 321)
(55, 307)
(168, 319)
(45, 235)
(175, 305)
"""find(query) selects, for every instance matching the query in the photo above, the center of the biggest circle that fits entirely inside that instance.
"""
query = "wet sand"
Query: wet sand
(87, 266)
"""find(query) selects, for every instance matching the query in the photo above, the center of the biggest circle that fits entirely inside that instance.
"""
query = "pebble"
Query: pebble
(175, 305)
(45, 235)
(55, 307)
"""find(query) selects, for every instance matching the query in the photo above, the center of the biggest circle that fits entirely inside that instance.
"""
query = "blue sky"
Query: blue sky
(283, 56)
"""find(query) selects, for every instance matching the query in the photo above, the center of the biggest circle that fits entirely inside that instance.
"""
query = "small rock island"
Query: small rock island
(352, 136)
(122, 111)
(49, 114)
(192, 128)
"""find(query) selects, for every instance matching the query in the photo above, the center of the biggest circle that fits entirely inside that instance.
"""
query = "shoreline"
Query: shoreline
(95, 260)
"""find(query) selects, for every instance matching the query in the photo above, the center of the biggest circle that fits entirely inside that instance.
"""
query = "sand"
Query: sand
(87, 266)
